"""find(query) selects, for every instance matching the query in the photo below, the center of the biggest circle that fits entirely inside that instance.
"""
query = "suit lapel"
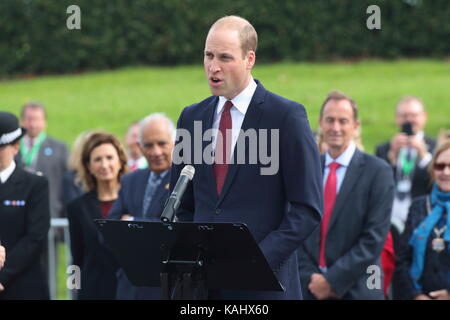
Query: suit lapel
(251, 120)
(41, 157)
(140, 192)
(207, 123)
(354, 170)
(16, 176)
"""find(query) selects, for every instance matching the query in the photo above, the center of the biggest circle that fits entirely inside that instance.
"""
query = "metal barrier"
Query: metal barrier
(57, 223)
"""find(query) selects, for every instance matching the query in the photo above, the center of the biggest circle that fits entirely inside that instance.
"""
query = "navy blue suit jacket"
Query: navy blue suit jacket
(282, 209)
(131, 196)
(130, 202)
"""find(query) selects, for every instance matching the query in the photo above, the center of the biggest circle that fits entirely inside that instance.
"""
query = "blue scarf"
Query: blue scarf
(440, 202)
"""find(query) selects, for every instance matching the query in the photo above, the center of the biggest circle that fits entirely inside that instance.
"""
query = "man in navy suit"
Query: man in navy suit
(280, 204)
(341, 259)
(143, 192)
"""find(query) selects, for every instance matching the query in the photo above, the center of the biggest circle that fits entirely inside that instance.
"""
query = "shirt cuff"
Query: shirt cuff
(425, 161)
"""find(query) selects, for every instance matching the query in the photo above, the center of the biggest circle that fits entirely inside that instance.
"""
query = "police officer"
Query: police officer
(24, 219)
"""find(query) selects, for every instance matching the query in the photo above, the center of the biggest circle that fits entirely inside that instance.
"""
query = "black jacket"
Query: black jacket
(97, 264)
(24, 224)
(436, 266)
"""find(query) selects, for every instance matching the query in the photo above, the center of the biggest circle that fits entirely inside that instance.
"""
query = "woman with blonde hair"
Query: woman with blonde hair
(423, 266)
(103, 162)
(72, 186)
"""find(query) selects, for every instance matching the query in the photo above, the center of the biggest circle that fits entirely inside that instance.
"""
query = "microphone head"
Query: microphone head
(188, 171)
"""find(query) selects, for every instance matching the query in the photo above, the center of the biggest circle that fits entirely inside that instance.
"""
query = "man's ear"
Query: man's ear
(250, 59)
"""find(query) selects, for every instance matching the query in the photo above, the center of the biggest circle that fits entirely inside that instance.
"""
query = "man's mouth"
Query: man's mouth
(215, 80)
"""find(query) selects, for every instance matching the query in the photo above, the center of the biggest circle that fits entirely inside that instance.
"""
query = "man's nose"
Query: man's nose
(214, 67)
(156, 151)
(410, 118)
(335, 126)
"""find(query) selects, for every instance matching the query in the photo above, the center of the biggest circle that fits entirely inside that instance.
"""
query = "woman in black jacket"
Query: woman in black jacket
(103, 162)
(423, 265)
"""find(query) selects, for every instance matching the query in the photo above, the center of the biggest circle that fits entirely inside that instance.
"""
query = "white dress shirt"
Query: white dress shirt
(5, 174)
(343, 160)
(238, 111)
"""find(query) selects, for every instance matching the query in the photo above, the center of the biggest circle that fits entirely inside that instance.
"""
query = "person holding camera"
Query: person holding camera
(409, 153)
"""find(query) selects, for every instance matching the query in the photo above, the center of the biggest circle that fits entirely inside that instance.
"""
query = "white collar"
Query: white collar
(241, 101)
(420, 135)
(5, 174)
(344, 158)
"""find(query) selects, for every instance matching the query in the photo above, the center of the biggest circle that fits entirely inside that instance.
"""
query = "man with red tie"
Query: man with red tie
(281, 207)
(341, 259)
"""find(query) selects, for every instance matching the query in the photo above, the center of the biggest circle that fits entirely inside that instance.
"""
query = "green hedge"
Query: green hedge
(34, 37)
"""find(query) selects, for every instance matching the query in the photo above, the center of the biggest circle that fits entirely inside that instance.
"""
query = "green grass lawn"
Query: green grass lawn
(112, 99)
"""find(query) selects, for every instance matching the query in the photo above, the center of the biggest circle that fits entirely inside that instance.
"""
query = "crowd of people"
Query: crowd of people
(330, 214)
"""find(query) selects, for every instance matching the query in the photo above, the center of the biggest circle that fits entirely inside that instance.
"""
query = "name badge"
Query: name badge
(404, 186)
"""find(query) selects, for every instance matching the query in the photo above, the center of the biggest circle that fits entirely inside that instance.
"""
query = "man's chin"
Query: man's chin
(159, 169)
(335, 144)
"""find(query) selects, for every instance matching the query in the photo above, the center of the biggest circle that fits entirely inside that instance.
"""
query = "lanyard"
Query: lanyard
(407, 164)
(28, 155)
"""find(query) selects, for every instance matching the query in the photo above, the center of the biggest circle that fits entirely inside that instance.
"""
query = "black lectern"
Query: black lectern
(186, 258)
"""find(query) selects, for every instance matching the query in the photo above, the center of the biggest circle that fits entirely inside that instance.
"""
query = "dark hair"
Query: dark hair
(337, 95)
(95, 139)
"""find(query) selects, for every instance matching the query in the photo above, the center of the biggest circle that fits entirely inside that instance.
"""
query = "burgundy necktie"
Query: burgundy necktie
(220, 162)
(329, 200)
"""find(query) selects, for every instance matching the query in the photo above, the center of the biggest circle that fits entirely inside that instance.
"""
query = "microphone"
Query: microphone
(174, 201)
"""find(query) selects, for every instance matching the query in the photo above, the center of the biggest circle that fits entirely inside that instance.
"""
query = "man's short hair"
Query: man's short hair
(408, 99)
(247, 33)
(33, 105)
(337, 96)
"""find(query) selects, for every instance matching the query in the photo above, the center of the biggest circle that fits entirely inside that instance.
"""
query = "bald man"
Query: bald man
(144, 191)
(408, 153)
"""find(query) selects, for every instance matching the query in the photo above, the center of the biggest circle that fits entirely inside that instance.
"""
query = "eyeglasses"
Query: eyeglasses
(441, 166)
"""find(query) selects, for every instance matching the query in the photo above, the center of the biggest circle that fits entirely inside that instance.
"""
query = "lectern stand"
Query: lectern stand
(187, 258)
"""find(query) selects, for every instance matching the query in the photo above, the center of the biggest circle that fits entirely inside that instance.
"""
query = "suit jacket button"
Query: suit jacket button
(218, 211)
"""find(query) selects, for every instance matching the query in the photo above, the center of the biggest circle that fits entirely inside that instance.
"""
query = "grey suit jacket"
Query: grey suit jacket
(356, 232)
(51, 162)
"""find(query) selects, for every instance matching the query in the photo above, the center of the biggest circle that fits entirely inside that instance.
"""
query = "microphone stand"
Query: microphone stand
(181, 279)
